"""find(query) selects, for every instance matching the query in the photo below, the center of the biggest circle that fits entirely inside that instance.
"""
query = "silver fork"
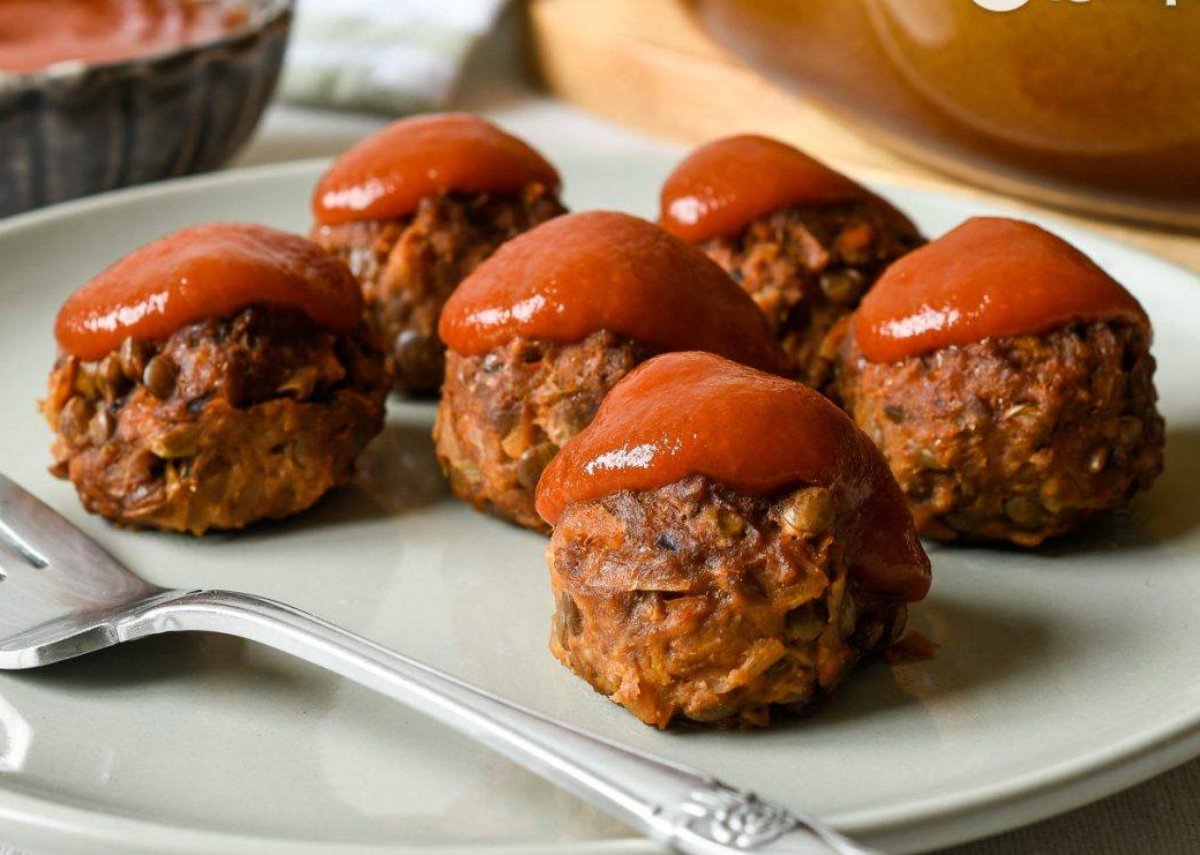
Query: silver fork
(62, 595)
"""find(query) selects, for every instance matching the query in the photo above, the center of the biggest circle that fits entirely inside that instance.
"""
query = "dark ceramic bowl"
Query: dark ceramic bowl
(73, 129)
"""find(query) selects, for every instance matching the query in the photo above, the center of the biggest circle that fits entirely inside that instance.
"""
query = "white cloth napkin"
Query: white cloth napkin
(388, 56)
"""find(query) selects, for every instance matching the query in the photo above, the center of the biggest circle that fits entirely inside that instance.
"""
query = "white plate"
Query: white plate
(1062, 675)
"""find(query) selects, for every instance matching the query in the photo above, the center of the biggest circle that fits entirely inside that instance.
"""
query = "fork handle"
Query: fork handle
(672, 804)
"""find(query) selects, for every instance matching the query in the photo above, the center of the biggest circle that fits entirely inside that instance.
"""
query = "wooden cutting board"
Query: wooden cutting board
(648, 64)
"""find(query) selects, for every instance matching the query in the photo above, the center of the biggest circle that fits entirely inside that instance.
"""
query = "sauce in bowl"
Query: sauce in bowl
(35, 34)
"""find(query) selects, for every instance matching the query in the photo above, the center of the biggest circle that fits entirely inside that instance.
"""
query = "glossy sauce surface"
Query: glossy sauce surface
(990, 277)
(38, 33)
(684, 414)
(582, 273)
(720, 187)
(387, 175)
(207, 271)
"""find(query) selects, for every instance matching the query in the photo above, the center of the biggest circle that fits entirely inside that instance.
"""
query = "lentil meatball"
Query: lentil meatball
(1008, 381)
(725, 541)
(804, 240)
(542, 331)
(506, 413)
(227, 421)
(808, 267)
(408, 267)
(1019, 438)
(413, 208)
(694, 602)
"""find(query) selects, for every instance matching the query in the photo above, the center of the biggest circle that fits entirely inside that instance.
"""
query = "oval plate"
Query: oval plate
(1061, 675)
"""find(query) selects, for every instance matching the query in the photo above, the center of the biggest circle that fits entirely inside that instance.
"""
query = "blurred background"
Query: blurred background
(1086, 106)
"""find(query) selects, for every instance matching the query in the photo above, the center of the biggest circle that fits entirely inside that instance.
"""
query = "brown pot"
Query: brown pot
(1092, 104)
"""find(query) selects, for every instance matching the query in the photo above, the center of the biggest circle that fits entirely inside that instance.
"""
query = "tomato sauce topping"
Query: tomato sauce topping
(990, 277)
(388, 174)
(687, 414)
(721, 187)
(207, 271)
(582, 273)
(35, 34)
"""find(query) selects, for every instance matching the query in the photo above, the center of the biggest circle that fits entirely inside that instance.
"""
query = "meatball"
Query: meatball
(408, 267)
(725, 541)
(414, 208)
(227, 421)
(1018, 438)
(1008, 381)
(694, 602)
(506, 413)
(808, 267)
(542, 330)
(803, 240)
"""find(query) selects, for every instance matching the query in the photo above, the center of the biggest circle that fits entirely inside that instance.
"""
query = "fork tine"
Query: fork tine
(13, 543)
(35, 535)
(32, 530)
(58, 588)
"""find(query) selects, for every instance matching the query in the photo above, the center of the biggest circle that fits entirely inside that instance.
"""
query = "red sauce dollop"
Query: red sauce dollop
(38, 33)
(721, 187)
(990, 277)
(387, 175)
(204, 272)
(582, 273)
(687, 414)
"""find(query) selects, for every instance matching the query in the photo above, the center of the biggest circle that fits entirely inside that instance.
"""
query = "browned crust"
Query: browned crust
(409, 267)
(806, 268)
(695, 602)
(1016, 439)
(227, 422)
(505, 414)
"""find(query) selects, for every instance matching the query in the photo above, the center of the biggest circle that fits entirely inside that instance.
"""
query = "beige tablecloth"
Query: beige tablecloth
(1159, 817)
